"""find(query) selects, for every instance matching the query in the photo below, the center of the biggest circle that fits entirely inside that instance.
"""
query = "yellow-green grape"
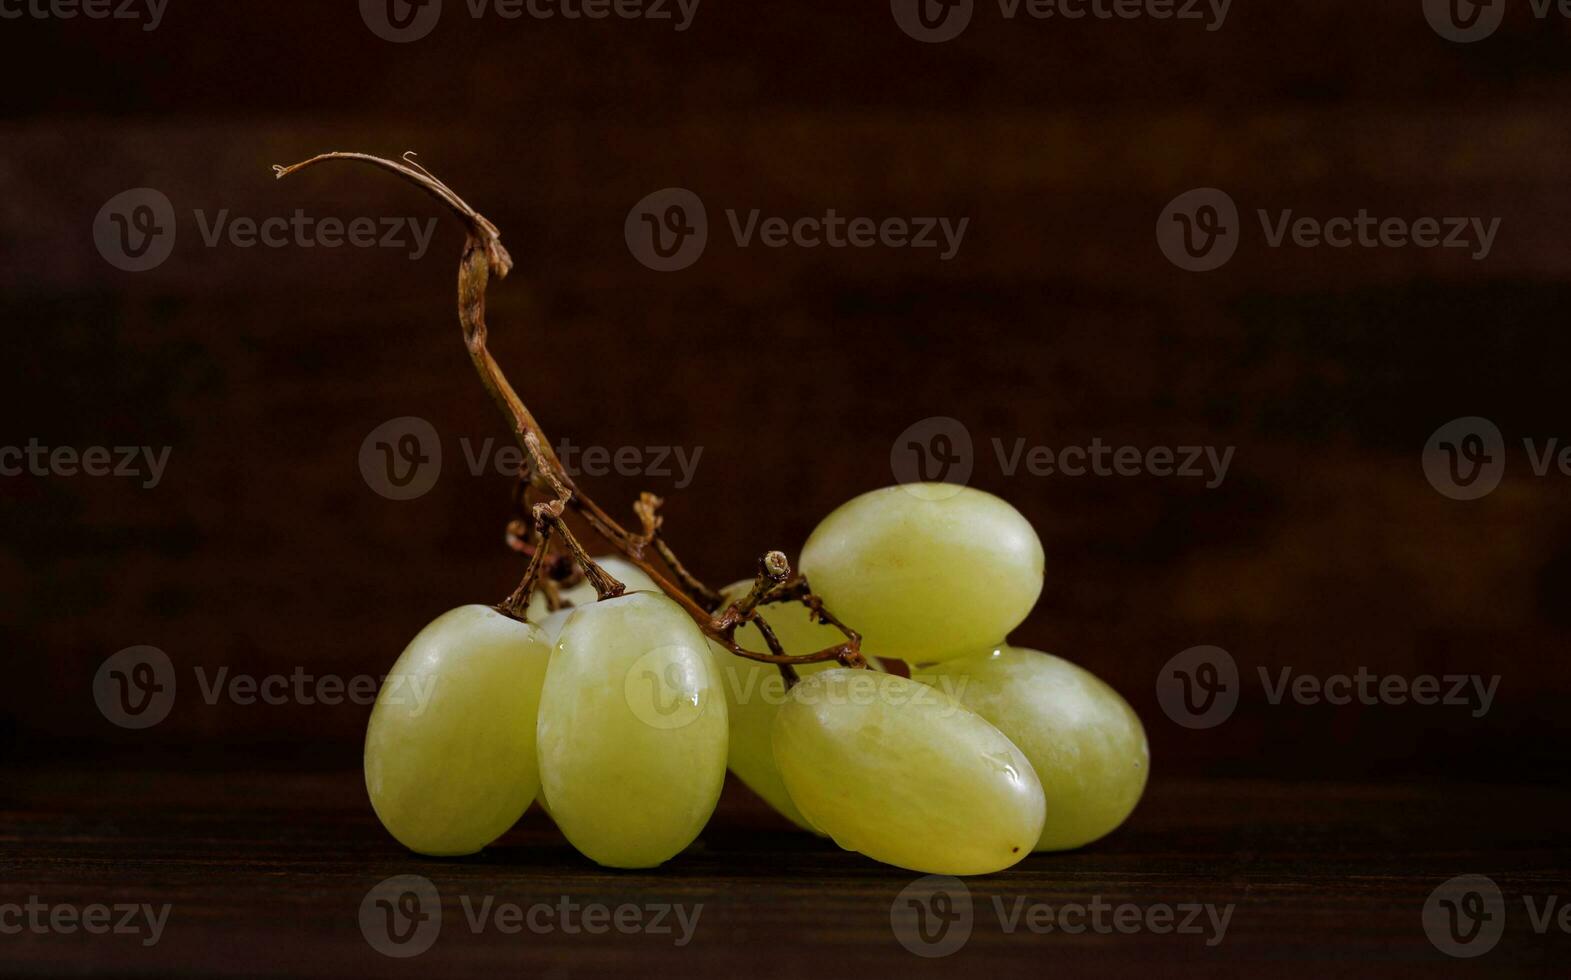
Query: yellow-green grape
(904, 774)
(583, 593)
(1085, 742)
(450, 760)
(553, 622)
(632, 731)
(755, 691)
(926, 571)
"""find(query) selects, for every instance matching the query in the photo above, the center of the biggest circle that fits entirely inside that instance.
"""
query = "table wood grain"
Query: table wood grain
(265, 874)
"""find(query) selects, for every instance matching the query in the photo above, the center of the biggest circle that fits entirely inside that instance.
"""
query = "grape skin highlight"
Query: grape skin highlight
(926, 571)
(632, 731)
(450, 749)
(906, 775)
(1085, 742)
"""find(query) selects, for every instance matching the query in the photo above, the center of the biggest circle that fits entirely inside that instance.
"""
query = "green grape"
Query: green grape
(904, 774)
(926, 571)
(632, 731)
(583, 593)
(1085, 742)
(553, 622)
(450, 759)
(754, 692)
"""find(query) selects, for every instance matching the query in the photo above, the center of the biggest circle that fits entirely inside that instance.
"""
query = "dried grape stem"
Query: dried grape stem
(517, 604)
(483, 257)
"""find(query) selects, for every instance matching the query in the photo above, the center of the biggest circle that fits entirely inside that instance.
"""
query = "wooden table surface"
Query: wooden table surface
(265, 874)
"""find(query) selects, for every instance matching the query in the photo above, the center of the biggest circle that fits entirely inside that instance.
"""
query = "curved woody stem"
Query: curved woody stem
(484, 257)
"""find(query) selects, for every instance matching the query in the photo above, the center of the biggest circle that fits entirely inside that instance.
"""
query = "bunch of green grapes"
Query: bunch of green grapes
(622, 716)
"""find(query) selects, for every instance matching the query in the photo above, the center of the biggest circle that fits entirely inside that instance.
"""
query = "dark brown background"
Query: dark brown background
(794, 370)
(1325, 550)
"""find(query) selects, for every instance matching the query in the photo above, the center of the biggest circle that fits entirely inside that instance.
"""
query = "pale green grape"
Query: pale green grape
(583, 593)
(926, 571)
(553, 622)
(632, 731)
(450, 760)
(754, 692)
(1085, 742)
(904, 774)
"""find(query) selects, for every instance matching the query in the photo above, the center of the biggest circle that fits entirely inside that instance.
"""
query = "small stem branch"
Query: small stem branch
(606, 585)
(517, 604)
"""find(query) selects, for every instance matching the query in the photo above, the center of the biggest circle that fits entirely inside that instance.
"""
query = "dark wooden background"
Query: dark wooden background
(1059, 321)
